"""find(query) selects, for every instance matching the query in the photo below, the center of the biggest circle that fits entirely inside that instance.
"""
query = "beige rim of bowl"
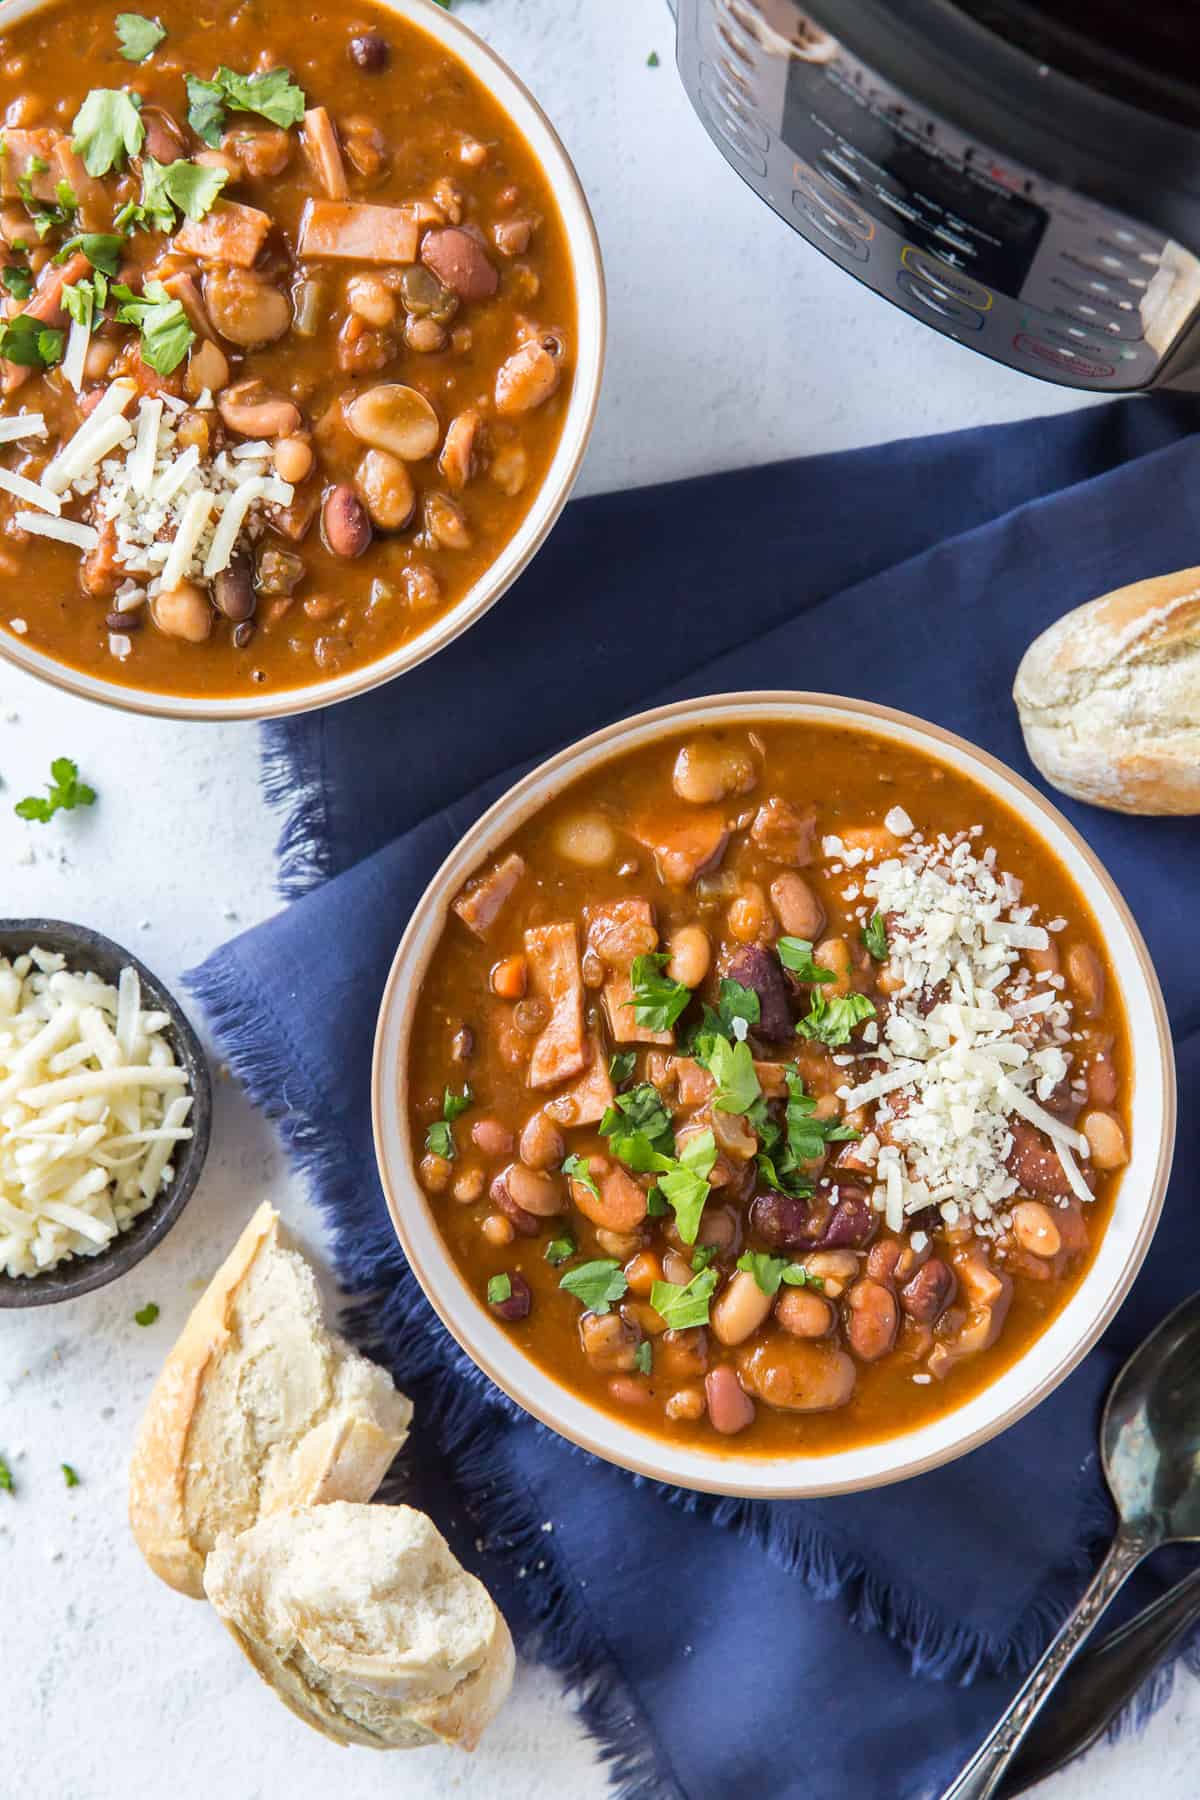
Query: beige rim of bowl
(1023, 1383)
(591, 305)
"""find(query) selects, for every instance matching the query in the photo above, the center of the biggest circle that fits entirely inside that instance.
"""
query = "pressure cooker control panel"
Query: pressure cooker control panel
(982, 248)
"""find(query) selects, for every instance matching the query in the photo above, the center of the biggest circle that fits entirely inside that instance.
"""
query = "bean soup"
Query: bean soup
(772, 1083)
(287, 328)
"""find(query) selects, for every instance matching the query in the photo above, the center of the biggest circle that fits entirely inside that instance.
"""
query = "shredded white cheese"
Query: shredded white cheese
(22, 425)
(23, 489)
(90, 1110)
(64, 531)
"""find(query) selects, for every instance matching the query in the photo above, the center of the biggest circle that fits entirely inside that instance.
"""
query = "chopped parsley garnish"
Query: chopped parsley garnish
(784, 1153)
(499, 1288)
(875, 937)
(439, 1139)
(18, 280)
(25, 340)
(69, 1475)
(796, 954)
(102, 249)
(166, 334)
(596, 1284)
(147, 1314)
(738, 1008)
(138, 36)
(272, 94)
(578, 1169)
(638, 1128)
(621, 1066)
(455, 1105)
(732, 1068)
(682, 1307)
(84, 299)
(7, 1484)
(47, 218)
(560, 1250)
(831, 1021)
(768, 1271)
(165, 186)
(684, 1183)
(656, 1205)
(643, 1357)
(107, 129)
(657, 1000)
(702, 1255)
(65, 792)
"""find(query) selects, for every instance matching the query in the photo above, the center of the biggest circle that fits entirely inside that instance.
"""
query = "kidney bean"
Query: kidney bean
(460, 263)
(1034, 1161)
(871, 1319)
(370, 52)
(503, 1201)
(757, 968)
(519, 1300)
(233, 590)
(344, 522)
(852, 1224)
(782, 1221)
(729, 1407)
(926, 1297)
(124, 621)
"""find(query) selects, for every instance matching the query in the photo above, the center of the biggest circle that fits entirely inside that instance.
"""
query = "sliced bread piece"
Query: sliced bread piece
(365, 1625)
(258, 1407)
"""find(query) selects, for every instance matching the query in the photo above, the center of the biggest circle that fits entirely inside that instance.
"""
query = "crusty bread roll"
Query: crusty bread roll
(1109, 698)
(257, 1407)
(365, 1625)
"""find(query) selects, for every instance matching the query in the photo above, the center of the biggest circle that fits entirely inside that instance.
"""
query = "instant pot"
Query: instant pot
(1024, 177)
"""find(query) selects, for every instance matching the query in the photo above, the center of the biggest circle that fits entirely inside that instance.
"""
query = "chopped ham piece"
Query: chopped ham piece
(479, 905)
(324, 155)
(183, 287)
(784, 833)
(45, 305)
(618, 932)
(91, 199)
(353, 232)
(231, 233)
(555, 977)
(21, 148)
(684, 848)
(587, 1100)
(693, 1084)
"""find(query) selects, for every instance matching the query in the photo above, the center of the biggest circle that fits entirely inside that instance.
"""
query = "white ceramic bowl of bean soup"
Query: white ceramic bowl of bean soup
(553, 471)
(731, 1465)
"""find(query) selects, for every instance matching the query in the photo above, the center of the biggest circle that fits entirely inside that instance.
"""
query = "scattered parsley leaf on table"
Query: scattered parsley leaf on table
(652, 60)
(147, 1314)
(138, 36)
(7, 1484)
(66, 792)
(69, 1475)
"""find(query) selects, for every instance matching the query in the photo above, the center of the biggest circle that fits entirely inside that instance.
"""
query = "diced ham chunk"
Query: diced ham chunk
(324, 154)
(47, 306)
(587, 1100)
(552, 952)
(684, 848)
(182, 287)
(479, 905)
(784, 833)
(350, 231)
(618, 932)
(91, 198)
(22, 148)
(230, 233)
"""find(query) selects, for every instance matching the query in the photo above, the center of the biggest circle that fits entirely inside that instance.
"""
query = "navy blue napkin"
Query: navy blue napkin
(860, 1644)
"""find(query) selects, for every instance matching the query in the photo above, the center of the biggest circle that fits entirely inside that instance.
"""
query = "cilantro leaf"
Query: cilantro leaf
(7, 1485)
(796, 954)
(643, 1357)
(106, 130)
(25, 340)
(147, 1314)
(272, 94)
(831, 1021)
(577, 1168)
(806, 1134)
(683, 1307)
(685, 1185)
(65, 792)
(18, 280)
(69, 1475)
(874, 936)
(621, 1066)
(768, 1271)
(102, 249)
(138, 36)
(657, 1000)
(499, 1289)
(166, 334)
(596, 1284)
(454, 1105)
(206, 109)
(559, 1250)
(732, 1068)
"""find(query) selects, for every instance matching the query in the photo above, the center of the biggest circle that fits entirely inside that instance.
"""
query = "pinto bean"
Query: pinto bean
(872, 1319)
(1034, 1228)
(926, 1297)
(739, 1309)
(730, 1408)
(1034, 1162)
(534, 1190)
(796, 1375)
(293, 459)
(435, 1173)
(797, 907)
(682, 1354)
(386, 489)
(246, 309)
(804, 1314)
(833, 1269)
(207, 368)
(523, 1222)
(526, 379)
(707, 771)
(1102, 1079)
(251, 412)
(493, 1138)
(344, 522)
(1106, 1140)
(542, 1144)
(641, 1272)
(460, 263)
(457, 459)
(446, 523)
(1085, 972)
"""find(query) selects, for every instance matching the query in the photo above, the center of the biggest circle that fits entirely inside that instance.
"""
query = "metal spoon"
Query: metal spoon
(1150, 1445)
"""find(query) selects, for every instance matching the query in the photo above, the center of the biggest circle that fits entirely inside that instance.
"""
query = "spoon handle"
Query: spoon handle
(984, 1772)
(1102, 1682)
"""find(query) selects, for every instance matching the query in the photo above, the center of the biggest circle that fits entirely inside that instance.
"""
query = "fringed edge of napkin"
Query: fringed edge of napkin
(294, 786)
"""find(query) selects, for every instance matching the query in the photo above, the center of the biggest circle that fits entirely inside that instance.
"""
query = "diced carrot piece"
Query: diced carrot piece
(324, 154)
(46, 304)
(509, 978)
(231, 233)
(555, 977)
(21, 148)
(352, 232)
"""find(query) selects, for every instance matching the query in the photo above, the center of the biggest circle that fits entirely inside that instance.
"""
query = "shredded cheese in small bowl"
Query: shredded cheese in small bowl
(104, 1112)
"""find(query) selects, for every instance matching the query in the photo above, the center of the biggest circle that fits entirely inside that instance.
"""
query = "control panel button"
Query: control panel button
(938, 301)
(1068, 362)
(946, 278)
(727, 100)
(830, 199)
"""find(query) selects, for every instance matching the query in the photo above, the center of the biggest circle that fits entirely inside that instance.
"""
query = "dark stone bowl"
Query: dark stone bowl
(87, 950)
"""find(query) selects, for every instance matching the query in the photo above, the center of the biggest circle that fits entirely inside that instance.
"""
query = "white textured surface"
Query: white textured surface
(731, 343)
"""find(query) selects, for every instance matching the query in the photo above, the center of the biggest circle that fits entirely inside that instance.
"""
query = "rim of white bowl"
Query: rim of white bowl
(1026, 1381)
(510, 92)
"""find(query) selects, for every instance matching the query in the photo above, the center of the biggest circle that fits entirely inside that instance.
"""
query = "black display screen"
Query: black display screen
(953, 209)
